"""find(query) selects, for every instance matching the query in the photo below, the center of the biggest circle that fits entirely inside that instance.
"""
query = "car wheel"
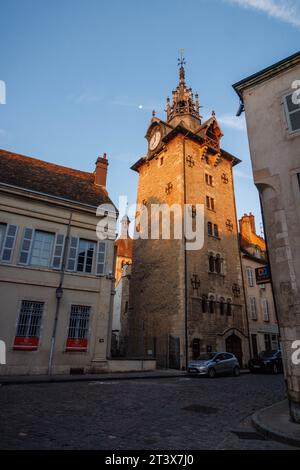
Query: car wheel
(236, 372)
(275, 369)
(211, 373)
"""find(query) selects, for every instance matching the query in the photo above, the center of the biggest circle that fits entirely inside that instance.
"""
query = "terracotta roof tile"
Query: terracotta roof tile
(51, 179)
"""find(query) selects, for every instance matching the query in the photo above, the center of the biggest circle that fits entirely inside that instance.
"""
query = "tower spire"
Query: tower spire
(183, 105)
(181, 64)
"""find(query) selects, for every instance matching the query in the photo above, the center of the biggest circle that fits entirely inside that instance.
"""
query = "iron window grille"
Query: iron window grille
(29, 322)
(79, 322)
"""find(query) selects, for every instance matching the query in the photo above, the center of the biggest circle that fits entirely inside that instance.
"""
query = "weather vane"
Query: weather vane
(181, 60)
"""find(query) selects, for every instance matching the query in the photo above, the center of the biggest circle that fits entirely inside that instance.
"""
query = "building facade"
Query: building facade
(55, 273)
(272, 105)
(262, 321)
(184, 301)
(123, 246)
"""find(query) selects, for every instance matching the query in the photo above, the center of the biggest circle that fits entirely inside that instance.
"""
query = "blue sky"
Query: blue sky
(77, 71)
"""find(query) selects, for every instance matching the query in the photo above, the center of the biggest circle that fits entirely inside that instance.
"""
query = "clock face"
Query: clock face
(155, 139)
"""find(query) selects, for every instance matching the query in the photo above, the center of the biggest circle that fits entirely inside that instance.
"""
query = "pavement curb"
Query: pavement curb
(263, 424)
(24, 380)
(89, 378)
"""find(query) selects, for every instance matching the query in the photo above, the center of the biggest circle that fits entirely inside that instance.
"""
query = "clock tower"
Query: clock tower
(186, 302)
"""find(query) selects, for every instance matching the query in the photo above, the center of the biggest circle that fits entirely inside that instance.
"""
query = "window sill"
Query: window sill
(216, 274)
(52, 270)
(215, 238)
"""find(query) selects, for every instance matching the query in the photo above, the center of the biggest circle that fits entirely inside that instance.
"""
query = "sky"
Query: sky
(83, 76)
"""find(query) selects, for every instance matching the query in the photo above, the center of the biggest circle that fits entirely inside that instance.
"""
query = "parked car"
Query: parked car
(267, 361)
(214, 363)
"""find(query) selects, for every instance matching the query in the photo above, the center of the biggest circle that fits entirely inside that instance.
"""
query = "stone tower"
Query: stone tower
(184, 301)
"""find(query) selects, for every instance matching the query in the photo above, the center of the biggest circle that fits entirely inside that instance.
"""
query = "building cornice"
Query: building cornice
(266, 74)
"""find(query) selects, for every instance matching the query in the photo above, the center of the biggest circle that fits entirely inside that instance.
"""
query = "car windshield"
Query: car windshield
(267, 353)
(205, 356)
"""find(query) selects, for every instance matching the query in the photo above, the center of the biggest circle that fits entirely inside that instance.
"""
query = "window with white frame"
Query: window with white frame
(250, 279)
(292, 111)
(79, 322)
(29, 321)
(42, 247)
(265, 309)
(86, 256)
(252, 304)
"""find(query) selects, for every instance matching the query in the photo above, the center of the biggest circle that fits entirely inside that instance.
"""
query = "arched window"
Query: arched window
(211, 264)
(211, 304)
(209, 228)
(222, 306)
(204, 303)
(218, 264)
(229, 307)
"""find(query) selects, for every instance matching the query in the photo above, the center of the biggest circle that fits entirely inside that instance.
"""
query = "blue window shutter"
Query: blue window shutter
(72, 255)
(26, 245)
(101, 258)
(58, 251)
(9, 243)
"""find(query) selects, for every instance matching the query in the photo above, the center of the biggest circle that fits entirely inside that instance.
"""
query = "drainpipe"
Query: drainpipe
(59, 294)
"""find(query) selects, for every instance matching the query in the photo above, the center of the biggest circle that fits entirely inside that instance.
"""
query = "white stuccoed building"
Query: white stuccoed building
(272, 106)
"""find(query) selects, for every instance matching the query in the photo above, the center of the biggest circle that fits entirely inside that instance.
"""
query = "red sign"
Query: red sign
(76, 345)
(28, 343)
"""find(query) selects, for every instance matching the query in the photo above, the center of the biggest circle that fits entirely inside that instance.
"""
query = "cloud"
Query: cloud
(287, 11)
(142, 106)
(233, 122)
(84, 98)
(242, 174)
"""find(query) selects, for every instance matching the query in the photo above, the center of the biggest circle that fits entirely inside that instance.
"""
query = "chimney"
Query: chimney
(252, 222)
(101, 171)
(247, 226)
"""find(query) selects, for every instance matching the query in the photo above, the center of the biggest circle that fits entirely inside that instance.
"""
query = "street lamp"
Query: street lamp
(59, 293)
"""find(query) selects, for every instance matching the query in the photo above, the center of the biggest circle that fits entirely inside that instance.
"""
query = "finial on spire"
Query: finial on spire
(181, 64)
(153, 113)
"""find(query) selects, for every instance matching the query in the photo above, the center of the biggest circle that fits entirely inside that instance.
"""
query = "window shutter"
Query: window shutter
(72, 256)
(253, 308)
(58, 251)
(265, 309)
(9, 243)
(101, 258)
(250, 277)
(26, 245)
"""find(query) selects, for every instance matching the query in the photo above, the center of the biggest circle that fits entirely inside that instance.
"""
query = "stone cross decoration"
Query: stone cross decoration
(190, 161)
(236, 290)
(229, 225)
(195, 282)
(169, 188)
(224, 178)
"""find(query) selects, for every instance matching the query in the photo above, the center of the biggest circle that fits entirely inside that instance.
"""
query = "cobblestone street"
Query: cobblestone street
(176, 413)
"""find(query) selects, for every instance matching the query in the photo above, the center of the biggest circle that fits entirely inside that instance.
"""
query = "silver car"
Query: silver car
(212, 364)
